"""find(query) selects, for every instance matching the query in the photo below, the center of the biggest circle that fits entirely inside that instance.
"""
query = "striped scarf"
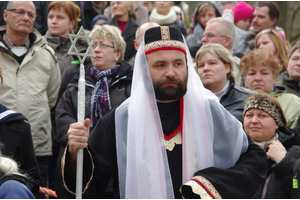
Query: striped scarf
(100, 101)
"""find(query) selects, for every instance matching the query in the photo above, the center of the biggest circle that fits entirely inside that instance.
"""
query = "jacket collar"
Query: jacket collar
(5, 113)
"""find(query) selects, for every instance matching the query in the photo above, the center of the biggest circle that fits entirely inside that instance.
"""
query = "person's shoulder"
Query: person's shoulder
(13, 189)
(41, 43)
(244, 90)
(126, 68)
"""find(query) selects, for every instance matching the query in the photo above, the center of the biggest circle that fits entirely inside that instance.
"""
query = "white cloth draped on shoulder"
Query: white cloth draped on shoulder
(211, 136)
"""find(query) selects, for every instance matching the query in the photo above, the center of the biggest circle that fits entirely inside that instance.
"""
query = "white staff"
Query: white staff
(81, 96)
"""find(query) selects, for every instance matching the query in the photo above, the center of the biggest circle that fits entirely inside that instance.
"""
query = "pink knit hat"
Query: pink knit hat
(242, 11)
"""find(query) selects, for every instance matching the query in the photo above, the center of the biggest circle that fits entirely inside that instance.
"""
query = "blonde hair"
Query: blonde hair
(279, 44)
(113, 34)
(220, 52)
(225, 27)
(132, 11)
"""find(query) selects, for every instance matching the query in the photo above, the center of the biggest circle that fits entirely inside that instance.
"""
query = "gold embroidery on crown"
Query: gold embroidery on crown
(170, 144)
(164, 43)
(165, 33)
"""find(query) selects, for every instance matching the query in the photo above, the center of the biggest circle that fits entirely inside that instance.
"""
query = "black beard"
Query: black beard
(170, 93)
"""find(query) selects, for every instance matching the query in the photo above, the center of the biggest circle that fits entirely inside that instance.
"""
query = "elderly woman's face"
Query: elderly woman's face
(260, 78)
(106, 57)
(294, 66)
(259, 125)
(213, 72)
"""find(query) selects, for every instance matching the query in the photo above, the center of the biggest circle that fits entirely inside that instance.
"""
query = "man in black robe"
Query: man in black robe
(170, 139)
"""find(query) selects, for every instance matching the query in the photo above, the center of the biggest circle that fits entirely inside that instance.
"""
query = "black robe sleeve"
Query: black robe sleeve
(240, 181)
(98, 169)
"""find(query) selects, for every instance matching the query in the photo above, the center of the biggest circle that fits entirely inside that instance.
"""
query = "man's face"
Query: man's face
(21, 18)
(261, 19)
(212, 34)
(168, 70)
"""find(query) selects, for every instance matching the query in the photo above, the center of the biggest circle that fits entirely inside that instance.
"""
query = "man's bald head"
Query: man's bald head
(141, 31)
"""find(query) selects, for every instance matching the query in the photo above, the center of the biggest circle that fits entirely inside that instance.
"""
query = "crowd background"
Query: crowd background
(289, 13)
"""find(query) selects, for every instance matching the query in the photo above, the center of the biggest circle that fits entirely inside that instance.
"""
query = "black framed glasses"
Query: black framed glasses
(21, 13)
(102, 46)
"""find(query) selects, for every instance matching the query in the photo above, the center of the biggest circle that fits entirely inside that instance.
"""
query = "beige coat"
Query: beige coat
(31, 88)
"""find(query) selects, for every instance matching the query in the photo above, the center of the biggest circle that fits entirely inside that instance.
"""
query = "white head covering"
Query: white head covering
(210, 135)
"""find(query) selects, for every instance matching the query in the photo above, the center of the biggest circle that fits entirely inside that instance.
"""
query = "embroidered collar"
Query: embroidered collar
(175, 137)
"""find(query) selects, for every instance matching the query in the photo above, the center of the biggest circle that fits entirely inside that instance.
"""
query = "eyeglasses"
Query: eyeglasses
(22, 12)
(210, 35)
(102, 46)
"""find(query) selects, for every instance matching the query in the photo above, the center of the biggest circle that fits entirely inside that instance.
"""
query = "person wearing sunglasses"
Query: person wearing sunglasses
(31, 76)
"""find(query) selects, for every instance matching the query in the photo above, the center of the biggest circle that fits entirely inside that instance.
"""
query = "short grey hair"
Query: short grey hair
(226, 28)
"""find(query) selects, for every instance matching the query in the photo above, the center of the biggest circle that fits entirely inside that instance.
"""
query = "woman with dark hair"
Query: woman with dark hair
(265, 123)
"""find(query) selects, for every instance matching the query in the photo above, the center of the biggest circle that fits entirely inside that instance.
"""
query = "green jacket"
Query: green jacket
(291, 85)
(290, 105)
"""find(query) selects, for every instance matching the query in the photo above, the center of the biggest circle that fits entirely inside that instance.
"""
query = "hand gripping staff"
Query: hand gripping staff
(81, 95)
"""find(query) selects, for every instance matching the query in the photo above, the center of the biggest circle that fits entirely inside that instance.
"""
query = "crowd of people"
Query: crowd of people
(205, 105)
